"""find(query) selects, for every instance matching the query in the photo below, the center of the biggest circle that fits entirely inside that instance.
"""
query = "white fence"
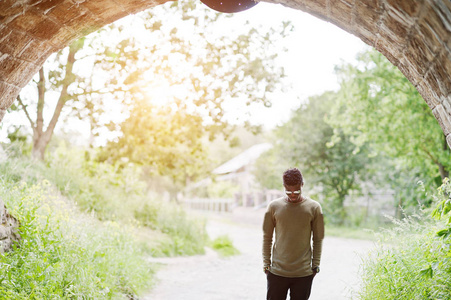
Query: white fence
(255, 199)
(219, 205)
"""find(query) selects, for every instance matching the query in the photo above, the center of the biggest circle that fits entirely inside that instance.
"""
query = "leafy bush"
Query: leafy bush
(113, 194)
(414, 260)
(224, 246)
(64, 254)
(188, 235)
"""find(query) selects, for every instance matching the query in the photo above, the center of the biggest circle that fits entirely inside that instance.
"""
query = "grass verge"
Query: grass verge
(224, 246)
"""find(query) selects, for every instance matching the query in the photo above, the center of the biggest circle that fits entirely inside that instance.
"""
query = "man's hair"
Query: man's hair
(292, 177)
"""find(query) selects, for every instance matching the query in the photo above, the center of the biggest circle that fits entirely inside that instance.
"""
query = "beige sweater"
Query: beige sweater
(294, 225)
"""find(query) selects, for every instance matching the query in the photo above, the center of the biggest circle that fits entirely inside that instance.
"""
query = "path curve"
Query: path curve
(210, 277)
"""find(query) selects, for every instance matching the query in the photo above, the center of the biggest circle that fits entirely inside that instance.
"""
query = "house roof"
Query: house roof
(243, 159)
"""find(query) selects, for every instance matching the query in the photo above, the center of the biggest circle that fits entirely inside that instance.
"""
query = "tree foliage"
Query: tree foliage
(169, 75)
(378, 105)
(198, 76)
(305, 141)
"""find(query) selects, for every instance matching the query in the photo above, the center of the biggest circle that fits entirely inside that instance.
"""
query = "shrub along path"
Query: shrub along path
(211, 277)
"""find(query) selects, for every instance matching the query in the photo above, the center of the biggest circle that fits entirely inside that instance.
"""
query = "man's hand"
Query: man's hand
(315, 271)
(266, 270)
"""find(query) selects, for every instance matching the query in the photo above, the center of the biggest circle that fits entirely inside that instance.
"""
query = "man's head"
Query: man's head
(293, 181)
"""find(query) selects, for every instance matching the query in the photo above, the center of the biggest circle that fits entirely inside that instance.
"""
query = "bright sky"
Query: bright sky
(314, 49)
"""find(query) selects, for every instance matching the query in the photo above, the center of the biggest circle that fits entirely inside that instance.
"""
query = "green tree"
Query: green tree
(64, 83)
(378, 105)
(269, 168)
(170, 50)
(201, 73)
(332, 164)
(166, 141)
(306, 141)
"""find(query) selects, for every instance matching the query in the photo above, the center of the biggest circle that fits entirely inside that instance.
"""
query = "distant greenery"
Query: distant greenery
(375, 131)
(360, 233)
(224, 246)
(113, 194)
(120, 194)
(414, 259)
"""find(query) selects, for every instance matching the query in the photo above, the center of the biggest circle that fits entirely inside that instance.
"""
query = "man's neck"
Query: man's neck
(298, 200)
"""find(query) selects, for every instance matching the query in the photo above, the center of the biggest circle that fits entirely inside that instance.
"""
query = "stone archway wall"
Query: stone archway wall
(415, 35)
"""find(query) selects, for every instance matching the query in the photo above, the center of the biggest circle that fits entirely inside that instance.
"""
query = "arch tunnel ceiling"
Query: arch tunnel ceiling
(415, 35)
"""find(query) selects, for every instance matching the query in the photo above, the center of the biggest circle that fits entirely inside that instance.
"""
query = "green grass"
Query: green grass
(224, 246)
(112, 194)
(66, 255)
(87, 229)
(410, 263)
(413, 260)
(360, 233)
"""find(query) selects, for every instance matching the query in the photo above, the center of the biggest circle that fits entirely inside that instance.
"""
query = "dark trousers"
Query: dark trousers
(278, 287)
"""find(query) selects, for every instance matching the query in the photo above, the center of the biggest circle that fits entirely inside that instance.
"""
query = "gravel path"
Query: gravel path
(209, 277)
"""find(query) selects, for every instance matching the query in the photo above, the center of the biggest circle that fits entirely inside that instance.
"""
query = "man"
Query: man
(295, 219)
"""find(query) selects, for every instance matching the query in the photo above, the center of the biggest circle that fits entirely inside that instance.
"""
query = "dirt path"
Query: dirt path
(240, 277)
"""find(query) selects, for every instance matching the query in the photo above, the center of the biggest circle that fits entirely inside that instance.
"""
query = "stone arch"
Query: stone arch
(415, 35)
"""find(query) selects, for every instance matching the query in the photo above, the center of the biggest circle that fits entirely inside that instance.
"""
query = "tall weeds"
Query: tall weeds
(64, 255)
(413, 260)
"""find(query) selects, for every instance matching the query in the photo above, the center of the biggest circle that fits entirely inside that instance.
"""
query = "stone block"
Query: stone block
(443, 119)
(15, 43)
(367, 16)
(45, 29)
(443, 10)
(389, 48)
(405, 8)
(366, 36)
(11, 8)
(45, 5)
(432, 100)
(433, 29)
(418, 52)
(12, 69)
(62, 37)
(135, 6)
(34, 50)
(8, 94)
(395, 30)
(319, 6)
(5, 232)
(374, 5)
(410, 73)
(441, 71)
(430, 82)
(432, 40)
(65, 11)
(8, 229)
(4, 33)
(27, 22)
(105, 10)
(448, 140)
(341, 12)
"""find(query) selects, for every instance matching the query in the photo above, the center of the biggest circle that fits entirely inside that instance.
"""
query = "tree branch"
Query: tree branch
(41, 100)
(100, 92)
(68, 79)
(26, 112)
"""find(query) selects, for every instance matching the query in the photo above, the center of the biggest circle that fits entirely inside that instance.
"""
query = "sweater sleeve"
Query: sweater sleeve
(318, 236)
(268, 230)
